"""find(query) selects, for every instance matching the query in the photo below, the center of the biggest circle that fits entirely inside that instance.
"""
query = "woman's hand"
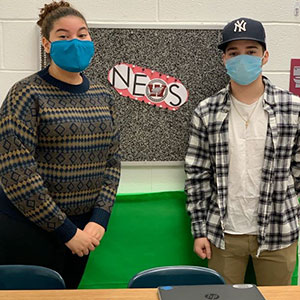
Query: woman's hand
(82, 243)
(95, 230)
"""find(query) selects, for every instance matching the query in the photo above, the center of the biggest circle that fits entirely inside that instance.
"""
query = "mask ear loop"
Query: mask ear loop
(263, 57)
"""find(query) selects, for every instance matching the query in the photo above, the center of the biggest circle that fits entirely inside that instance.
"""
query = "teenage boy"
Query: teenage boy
(243, 166)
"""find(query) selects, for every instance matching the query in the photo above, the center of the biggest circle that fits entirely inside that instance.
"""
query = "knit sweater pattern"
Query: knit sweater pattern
(59, 152)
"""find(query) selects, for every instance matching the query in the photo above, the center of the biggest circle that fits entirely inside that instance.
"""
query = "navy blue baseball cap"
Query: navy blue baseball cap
(243, 29)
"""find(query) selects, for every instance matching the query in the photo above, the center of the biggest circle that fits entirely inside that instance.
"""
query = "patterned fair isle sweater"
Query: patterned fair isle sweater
(59, 153)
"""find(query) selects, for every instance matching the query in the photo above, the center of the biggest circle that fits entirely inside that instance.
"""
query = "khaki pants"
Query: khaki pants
(271, 267)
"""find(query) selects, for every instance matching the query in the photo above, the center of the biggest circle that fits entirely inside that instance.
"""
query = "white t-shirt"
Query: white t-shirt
(246, 153)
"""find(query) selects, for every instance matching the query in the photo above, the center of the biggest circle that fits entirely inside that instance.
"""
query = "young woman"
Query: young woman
(59, 159)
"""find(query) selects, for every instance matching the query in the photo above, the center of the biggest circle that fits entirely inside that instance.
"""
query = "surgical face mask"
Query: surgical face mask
(72, 55)
(244, 69)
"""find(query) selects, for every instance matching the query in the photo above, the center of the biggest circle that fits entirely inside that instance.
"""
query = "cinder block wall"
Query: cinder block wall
(19, 44)
(19, 55)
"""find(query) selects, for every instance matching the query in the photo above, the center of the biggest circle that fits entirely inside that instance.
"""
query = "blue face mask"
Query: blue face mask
(72, 55)
(244, 69)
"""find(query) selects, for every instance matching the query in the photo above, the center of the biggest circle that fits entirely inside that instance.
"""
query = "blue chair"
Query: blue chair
(175, 275)
(27, 277)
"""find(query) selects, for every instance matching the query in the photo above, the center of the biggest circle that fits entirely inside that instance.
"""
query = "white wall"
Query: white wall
(19, 49)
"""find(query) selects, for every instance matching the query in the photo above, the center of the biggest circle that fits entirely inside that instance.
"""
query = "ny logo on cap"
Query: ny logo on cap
(240, 26)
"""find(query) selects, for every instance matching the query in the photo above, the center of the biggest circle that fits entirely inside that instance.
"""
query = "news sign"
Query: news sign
(148, 86)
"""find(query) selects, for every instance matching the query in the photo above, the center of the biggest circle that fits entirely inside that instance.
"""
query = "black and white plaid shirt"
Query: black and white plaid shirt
(207, 162)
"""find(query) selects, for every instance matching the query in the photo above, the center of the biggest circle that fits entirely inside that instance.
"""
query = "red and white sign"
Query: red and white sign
(148, 86)
(295, 76)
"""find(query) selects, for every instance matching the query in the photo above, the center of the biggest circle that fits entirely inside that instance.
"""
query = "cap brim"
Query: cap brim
(223, 45)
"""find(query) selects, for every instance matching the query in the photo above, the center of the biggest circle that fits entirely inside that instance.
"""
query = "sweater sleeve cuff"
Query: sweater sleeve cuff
(66, 231)
(100, 216)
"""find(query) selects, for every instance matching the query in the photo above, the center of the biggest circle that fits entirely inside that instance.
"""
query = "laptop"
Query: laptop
(210, 292)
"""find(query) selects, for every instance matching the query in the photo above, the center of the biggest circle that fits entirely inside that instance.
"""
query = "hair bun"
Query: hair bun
(48, 8)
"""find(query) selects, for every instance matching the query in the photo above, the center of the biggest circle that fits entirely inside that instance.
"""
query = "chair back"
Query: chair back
(175, 275)
(27, 277)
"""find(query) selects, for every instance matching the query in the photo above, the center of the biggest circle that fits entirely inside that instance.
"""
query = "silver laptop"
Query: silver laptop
(210, 292)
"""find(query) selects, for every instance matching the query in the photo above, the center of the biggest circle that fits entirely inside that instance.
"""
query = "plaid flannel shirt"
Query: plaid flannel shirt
(207, 162)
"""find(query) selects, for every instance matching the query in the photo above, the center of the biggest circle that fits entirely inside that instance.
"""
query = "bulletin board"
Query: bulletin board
(151, 134)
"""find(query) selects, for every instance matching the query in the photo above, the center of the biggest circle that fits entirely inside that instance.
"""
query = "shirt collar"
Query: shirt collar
(268, 93)
(80, 88)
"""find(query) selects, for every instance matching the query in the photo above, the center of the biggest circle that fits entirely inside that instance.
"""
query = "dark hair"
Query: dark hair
(263, 47)
(54, 11)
